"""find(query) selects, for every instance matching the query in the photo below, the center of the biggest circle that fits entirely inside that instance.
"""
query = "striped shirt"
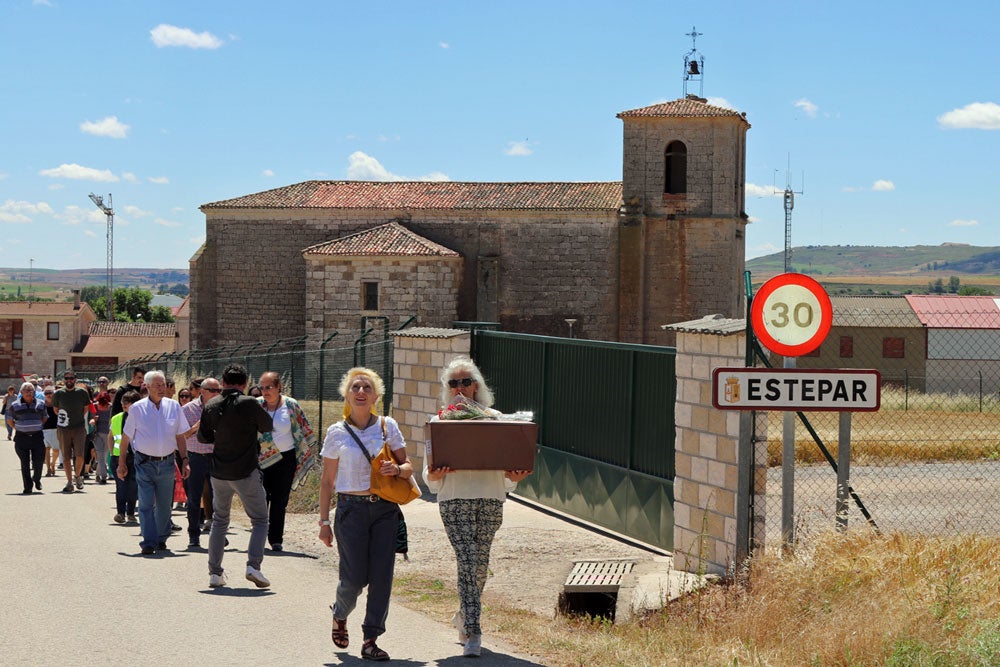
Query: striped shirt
(28, 417)
(192, 412)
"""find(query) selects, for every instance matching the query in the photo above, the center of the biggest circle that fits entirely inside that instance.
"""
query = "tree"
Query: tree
(131, 304)
(953, 284)
(160, 314)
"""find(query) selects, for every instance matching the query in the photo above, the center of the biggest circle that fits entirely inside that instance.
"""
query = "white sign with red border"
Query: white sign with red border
(791, 314)
(798, 389)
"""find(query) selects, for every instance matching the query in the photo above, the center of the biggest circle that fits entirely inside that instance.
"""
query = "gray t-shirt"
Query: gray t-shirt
(70, 405)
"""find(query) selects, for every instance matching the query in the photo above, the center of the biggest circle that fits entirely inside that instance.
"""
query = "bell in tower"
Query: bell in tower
(694, 65)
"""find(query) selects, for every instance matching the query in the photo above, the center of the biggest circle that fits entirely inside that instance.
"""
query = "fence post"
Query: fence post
(322, 364)
(980, 390)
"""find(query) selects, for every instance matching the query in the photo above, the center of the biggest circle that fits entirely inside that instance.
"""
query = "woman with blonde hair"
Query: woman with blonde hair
(364, 524)
(471, 506)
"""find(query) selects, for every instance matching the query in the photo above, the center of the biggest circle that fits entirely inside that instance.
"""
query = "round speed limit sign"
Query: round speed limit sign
(791, 314)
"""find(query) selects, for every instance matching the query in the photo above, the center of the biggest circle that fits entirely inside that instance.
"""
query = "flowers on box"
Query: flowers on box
(466, 408)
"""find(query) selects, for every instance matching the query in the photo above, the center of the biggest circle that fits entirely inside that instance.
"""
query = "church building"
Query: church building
(664, 245)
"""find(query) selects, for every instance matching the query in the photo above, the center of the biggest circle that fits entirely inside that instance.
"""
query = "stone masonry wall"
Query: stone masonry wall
(251, 282)
(44, 352)
(419, 356)
(425, 287)
(705, 482)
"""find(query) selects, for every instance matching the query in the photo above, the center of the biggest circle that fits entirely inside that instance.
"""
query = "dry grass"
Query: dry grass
(854, 599)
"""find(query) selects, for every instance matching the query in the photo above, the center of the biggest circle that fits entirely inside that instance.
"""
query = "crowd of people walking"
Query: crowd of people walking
(218, 440)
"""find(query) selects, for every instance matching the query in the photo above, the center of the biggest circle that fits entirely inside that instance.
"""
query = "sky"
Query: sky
(884, 115)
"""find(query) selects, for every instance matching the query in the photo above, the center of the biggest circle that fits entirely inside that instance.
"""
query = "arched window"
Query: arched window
(675, 175)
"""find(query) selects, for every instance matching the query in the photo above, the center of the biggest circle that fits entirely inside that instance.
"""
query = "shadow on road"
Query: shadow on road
(349, 660)
(159, 555)
(225, 591)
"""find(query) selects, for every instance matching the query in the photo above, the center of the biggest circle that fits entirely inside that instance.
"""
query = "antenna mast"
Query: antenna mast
(110, 213)
(789, 198)
(694, 65)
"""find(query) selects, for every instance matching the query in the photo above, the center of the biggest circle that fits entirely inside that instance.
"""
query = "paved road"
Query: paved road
(76, 592)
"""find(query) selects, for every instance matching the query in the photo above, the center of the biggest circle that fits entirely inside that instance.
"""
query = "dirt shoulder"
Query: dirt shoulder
(532, 554)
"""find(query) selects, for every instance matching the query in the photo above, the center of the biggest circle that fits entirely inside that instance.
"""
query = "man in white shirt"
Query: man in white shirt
(155, 430)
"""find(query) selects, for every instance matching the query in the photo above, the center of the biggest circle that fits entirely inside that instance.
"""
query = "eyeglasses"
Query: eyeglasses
(268, 387)
(102, 382)
(465, 382)
(211, 390)
(184, 395)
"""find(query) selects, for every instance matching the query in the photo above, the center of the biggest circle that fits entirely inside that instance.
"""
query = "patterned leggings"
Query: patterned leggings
(471, 525)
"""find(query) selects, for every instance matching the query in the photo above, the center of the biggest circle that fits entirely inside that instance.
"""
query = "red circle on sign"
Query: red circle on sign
(784, 318)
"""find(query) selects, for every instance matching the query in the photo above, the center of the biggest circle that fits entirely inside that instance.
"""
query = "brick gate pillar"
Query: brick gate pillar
(716, 476)
(419, 356)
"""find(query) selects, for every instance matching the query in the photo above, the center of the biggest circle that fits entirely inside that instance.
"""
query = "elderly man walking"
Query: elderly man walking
(27, 415)
(199, 456)
(154, 430)
(232, 421)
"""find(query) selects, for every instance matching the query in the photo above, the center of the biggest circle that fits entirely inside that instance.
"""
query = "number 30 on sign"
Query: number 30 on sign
(791, 314)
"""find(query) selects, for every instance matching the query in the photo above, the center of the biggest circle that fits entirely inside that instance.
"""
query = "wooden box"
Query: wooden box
(466, 444)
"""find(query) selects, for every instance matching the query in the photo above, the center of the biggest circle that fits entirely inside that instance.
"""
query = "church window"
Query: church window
(675, 176)
(369, 296)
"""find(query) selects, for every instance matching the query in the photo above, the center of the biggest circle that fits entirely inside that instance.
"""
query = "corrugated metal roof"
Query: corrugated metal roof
(429, 332)
(873, 311)
(392, 239)
(710, 324)
(944, 311)
(444, 195)
(133, 329)
(690, 107)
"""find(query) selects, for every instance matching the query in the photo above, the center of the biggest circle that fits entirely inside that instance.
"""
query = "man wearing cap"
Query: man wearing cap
(154, 430)
(72, 404)
(27, 415)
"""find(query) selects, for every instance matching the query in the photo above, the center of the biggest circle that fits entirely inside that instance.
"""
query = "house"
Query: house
(39, 338)
(112, 343)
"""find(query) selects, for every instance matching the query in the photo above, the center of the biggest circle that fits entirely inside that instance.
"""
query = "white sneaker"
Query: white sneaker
(473, 646)
(458, 620)
(216, 580)
(257, 577)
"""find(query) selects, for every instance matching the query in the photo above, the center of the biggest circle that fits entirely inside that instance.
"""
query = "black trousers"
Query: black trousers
(278, 486)
(30, 448)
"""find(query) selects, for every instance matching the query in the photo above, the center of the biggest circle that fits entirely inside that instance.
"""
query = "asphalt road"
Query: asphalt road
(77, 592)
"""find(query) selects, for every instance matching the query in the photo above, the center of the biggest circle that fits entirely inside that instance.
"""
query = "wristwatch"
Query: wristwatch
(324, 522)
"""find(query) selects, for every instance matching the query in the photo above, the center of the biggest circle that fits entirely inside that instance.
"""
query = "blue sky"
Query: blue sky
(888, 109)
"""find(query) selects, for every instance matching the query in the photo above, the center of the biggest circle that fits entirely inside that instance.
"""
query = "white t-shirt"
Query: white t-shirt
(354, 472)
(282, 433)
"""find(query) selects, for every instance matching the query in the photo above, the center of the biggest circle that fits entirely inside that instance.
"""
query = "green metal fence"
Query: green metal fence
(606, 426)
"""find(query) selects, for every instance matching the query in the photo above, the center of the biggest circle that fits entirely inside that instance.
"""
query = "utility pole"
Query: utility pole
(110, 213)
(31, 277)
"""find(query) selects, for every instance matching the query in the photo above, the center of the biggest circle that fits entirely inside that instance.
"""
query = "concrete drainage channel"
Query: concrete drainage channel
(617, 589)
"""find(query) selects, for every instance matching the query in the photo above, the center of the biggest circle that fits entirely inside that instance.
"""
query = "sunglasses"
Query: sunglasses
(184, 395)
(464, 382)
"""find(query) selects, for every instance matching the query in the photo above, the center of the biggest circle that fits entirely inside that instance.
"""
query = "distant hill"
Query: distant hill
(15, 283)
(917, 262)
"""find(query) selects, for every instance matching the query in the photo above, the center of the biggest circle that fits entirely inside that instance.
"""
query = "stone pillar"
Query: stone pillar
(707, 503)
(419, 355)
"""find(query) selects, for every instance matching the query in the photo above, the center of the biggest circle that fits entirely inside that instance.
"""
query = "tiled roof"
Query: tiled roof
(41, 308)
(442, 195)
(684, 108)
(873, 311)
(942, 311)
(429, 332)
(716, 325)
(133, 329)
(390, 239)
(128, 347)
(183, 310)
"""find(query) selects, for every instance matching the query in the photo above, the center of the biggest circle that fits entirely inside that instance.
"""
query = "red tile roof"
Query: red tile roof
(133, 329)
(42, 308)
(390, 239)
(433, 195)
(940, 311)
(685, 108)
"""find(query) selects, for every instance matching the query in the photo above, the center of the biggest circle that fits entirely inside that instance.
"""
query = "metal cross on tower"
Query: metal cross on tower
(694, 65)
(110, 213)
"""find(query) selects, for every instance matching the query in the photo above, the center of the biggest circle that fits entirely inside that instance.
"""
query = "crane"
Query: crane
(110, 213)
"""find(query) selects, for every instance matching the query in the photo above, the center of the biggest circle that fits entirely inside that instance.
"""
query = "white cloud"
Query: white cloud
(722, 102)
(108, 126)
(761, 250)
(444, 45)
(47, 3)
(364, 167)
(975, 116)
(3, 175)
(170, 35)
(163, 222)
(808, 107)
(159, 180)
(135, 211)
(268, 173)
(198, 240)
(754, 190)
(129, 176)
(75, 215)
(518, 149)
(80, 173)
(22, 211)
(963, 223)
(882, 185)
(90, 232)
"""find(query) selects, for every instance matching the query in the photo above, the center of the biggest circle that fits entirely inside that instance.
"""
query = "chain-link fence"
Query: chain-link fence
(929, 459)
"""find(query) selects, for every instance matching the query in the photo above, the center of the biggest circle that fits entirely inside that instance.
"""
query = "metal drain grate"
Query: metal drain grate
(597, 576)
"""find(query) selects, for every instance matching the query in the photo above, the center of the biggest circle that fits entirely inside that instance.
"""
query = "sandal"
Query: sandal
(369, 651)
(339, 633)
